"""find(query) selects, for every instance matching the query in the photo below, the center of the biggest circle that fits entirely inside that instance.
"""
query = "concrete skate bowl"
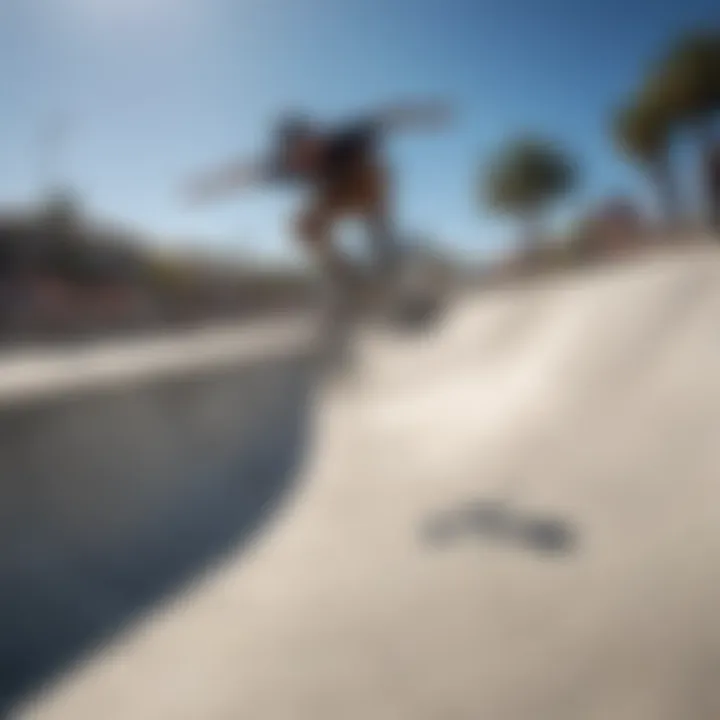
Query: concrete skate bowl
(592, 399)
(116, 494)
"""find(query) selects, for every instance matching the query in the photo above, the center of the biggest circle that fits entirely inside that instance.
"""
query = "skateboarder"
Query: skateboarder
(345, 171)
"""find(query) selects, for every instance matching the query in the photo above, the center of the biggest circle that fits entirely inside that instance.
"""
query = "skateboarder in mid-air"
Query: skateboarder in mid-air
(343, 168)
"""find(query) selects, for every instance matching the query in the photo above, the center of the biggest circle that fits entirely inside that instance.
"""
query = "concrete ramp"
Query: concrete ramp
(515, 518)
(126, 470)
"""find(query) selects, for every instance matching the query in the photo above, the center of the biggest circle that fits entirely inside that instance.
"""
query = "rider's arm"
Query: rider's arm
(230, 178)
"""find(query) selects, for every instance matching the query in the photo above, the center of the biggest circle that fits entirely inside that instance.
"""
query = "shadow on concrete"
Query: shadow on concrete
(496, 521)
(61, 593)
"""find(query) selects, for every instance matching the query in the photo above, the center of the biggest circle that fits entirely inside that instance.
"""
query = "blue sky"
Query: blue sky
(154, 89)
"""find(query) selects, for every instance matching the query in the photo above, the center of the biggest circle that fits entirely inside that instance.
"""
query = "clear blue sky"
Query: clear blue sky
(153, 89)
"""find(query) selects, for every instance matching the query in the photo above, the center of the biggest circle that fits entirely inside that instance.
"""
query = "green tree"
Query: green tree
(692, 78)
(689, 77)
(682, 91)
(525, 178)
(642, 132)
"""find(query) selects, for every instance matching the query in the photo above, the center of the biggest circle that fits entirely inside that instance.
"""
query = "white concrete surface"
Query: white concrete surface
(125, 469)
(591, 406)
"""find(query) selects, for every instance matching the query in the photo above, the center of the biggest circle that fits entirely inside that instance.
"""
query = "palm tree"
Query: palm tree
(642, 132)
(686, 87)
(525, 178)
(690, 74)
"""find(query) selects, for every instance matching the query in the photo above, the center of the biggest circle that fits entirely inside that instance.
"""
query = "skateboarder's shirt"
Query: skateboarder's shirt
(339, 155)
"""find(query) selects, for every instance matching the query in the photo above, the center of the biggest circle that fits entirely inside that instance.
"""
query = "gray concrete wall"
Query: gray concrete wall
(122, 476)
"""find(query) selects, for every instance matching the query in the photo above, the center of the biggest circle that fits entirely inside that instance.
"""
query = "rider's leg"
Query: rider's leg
(377, 212)
(384, 244)
(314, 229)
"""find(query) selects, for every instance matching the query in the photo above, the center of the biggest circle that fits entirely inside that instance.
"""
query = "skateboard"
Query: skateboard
(412, 299)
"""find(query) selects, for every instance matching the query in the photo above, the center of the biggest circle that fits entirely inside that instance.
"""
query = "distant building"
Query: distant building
(619, 216)
(616, 226)
(55, 239)
(61, 272)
